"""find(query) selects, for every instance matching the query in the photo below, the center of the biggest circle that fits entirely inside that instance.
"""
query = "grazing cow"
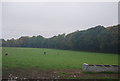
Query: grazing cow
(6, 54)
(44, 53)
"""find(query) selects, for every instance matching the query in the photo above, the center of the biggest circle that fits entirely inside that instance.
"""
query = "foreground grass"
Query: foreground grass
(0, 57)
(54, 59)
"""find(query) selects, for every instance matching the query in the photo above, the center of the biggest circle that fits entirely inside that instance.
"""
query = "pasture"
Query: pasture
(42, 63)
(53, 59)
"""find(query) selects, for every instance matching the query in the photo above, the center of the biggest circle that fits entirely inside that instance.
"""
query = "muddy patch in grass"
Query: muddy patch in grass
(34, 73)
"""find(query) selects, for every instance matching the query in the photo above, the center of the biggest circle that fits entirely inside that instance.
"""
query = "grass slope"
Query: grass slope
(55, 59)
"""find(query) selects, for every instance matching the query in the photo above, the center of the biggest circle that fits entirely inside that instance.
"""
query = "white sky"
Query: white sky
(53, 18)
(60, 0)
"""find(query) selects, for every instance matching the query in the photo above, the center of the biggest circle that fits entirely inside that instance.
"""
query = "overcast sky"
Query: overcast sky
(49, 19)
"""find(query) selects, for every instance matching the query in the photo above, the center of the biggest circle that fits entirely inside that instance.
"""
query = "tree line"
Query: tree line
(96, 39)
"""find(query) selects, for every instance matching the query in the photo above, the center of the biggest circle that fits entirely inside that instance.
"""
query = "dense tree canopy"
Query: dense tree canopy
(96, 39)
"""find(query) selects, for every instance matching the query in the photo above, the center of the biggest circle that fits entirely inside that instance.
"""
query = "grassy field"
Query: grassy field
(0, 57)
(54, 59)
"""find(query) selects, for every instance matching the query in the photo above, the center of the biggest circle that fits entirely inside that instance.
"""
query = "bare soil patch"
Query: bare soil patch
(34, 73)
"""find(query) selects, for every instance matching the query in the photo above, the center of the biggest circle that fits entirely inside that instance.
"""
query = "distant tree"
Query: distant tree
(95, 39)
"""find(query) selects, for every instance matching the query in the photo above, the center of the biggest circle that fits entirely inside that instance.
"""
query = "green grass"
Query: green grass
(55, 59)
(0, 57)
